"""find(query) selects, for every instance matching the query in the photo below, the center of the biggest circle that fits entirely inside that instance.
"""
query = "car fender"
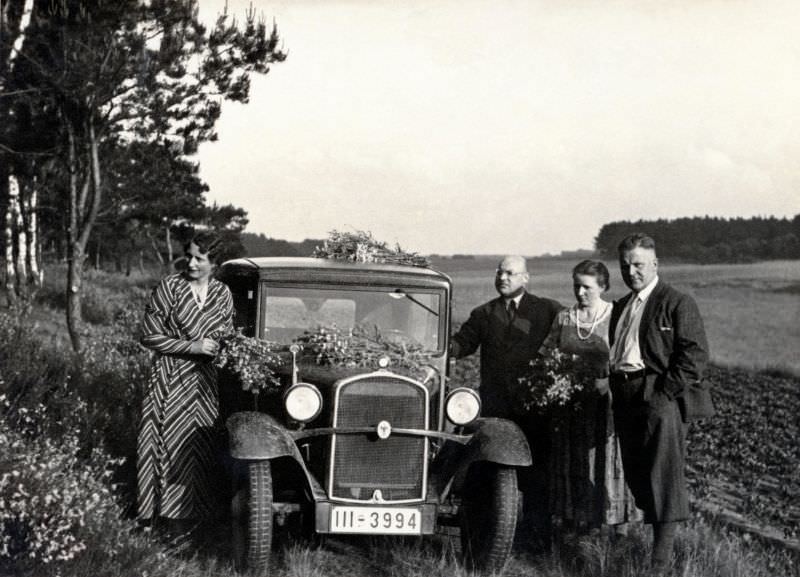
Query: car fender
(494, 440)
(258, 436)
(254, 435)
(498, 441)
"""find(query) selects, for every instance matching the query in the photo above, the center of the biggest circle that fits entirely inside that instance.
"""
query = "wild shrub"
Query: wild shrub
(99, 392)
(104, 297)
(32, 368)
(55, 499)
(37, 371)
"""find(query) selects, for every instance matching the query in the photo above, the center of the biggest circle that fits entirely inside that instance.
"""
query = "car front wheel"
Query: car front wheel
(251, 511)
(488, 516)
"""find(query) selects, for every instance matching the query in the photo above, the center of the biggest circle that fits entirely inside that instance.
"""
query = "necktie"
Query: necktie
(625, 328)
(511, 309)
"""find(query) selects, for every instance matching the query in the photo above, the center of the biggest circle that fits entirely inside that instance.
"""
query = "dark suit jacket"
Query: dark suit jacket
(506, 350)
(674, 349)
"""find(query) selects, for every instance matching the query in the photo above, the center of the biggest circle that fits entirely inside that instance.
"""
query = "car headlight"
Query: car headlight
(462, 406)
(303, 402)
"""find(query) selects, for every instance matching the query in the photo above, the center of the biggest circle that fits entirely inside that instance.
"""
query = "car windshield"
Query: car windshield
(396, 314)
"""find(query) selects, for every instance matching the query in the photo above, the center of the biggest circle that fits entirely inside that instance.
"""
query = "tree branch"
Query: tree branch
(10, 150)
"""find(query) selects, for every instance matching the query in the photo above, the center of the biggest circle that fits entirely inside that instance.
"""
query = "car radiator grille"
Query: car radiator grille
(363, 464)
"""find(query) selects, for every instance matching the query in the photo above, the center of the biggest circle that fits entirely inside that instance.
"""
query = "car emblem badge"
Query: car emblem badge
(377, 495)
(384, 429)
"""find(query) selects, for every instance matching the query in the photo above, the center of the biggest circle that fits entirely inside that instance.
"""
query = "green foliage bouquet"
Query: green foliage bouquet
(555, 379)
(360, 347)
(361, 246)
(252, 360)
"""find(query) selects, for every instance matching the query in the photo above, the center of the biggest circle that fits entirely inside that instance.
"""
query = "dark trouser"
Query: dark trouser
(533, 480)
(652, 438)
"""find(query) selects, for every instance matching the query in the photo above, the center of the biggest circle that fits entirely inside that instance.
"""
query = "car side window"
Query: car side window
(245, 304)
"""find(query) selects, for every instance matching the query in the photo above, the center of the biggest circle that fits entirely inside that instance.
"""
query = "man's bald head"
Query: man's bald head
(511, 277)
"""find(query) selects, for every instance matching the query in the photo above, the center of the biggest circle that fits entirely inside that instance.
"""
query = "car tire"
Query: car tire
(488, 516)
(251, 512)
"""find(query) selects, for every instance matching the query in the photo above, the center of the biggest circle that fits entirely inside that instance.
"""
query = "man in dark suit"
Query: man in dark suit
(509, 331)
(658, 355)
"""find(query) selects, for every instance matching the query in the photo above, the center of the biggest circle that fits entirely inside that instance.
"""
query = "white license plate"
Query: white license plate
(377, 520)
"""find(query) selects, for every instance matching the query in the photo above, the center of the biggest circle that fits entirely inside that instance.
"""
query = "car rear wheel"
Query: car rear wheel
(488, 516)
(251, 511)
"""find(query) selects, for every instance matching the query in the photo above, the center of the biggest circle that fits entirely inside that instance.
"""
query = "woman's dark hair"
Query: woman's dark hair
(593, 268)
(209, 242)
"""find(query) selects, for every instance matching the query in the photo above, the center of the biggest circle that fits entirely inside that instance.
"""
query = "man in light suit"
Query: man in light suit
(658, 355)
(509, 331)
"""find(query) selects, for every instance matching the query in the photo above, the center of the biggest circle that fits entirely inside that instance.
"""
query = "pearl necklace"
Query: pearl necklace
(595, 320)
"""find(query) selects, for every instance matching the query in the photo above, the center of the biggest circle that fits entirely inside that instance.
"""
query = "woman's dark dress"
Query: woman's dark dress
(587, 488)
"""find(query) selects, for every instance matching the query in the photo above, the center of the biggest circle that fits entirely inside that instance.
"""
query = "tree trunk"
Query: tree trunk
(170, 256)
(74, 249)
(21, 240)
(83, 213)
(24, 22)
(9, 221)
(33, 263)
(156, 250)
(13, 280)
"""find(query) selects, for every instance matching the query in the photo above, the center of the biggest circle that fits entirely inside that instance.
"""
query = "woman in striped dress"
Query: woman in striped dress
(178, 439)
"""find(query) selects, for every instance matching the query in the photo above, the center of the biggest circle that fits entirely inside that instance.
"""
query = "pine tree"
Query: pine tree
(127, 71)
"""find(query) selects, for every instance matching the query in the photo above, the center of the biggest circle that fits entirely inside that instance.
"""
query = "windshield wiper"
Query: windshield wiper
(400, 293)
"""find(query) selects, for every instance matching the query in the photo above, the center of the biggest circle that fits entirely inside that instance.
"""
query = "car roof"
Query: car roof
(279, 263)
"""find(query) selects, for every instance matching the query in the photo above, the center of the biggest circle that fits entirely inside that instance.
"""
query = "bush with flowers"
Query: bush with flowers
(555, 379)
(55, 500)
(97, 394)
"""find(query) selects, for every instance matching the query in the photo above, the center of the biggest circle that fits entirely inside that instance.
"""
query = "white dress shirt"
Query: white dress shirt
(626, 355)
(517, 299)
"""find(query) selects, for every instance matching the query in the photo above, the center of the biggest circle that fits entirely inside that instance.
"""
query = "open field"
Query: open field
(751, 311)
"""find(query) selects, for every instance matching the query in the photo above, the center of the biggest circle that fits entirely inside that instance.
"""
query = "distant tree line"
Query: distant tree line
(255, 245)
(710, 239)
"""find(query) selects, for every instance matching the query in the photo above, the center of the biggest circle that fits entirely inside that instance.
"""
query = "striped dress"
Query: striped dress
(178, 440)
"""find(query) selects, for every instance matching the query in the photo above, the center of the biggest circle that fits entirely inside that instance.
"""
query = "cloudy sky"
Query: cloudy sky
(513, 126)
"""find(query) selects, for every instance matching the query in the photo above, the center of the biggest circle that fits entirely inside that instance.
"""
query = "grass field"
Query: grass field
(746, 459)
(751, 311)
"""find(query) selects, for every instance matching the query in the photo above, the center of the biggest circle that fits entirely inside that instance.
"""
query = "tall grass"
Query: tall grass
(703, 549)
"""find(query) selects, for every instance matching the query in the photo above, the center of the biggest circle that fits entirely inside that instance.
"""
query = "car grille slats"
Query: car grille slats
(363, 464)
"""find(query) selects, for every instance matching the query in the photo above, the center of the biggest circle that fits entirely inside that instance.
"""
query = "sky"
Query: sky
(479, 126)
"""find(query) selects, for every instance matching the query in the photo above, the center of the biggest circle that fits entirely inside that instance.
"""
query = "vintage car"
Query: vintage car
(375, 450)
